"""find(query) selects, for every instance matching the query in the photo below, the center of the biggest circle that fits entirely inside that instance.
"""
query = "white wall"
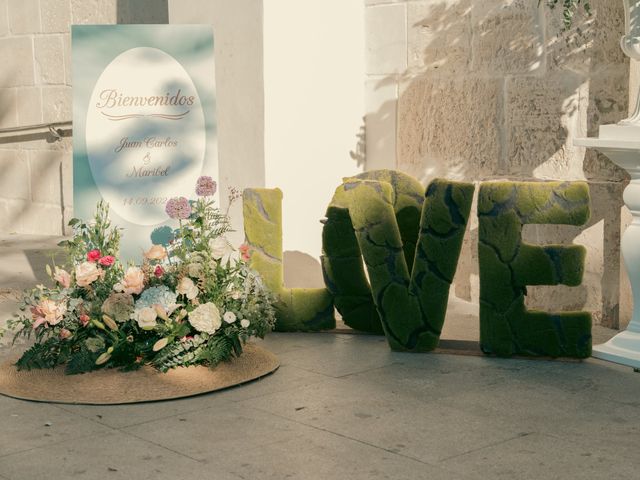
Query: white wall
(314, 104)
(237, 30)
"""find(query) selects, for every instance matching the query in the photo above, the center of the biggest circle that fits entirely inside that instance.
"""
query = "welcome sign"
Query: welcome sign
(144, 122)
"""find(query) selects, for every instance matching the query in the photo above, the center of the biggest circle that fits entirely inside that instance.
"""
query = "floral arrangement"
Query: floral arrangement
(192, 301)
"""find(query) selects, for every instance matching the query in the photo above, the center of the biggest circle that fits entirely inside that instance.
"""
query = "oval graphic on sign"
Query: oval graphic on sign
(145, 134)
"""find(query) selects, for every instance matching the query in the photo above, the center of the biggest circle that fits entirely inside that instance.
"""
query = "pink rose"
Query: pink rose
(133, 281)
(159, 271)
(64, 334)
(107, 260)
(87, 273)
(62, 277)
(84, 319)
(94, 255)
(48, 312)
(245, 252)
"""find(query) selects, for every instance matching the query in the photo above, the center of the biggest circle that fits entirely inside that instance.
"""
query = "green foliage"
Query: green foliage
(507, 266)
(48, 354)
(82, 361)
(569, 8)
(297, 309)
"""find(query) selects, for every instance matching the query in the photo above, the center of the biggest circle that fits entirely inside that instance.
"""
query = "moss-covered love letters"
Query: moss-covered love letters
(410, 241)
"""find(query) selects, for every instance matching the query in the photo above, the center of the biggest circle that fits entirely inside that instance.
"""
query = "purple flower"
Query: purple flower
(205, 186)
(178, 207)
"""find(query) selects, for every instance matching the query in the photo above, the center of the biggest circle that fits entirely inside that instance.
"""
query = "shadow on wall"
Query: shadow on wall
(143, 11)
(496, 89)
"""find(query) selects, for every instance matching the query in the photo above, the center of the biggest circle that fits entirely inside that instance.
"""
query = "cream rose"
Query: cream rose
(156, 252)
(62, 277)
(220, 248)
(188, 288)
(87, 273)
(133, 281)
(229, 317)
(206, 318)
(146, 318)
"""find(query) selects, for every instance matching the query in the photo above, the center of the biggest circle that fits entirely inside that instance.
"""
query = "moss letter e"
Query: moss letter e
(507, 266)
(297, 309)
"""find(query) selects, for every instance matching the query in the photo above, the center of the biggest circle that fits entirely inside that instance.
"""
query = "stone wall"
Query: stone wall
(35, 87)
(487, 89)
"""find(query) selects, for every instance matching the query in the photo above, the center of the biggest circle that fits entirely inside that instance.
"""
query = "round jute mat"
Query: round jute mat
(111, 387)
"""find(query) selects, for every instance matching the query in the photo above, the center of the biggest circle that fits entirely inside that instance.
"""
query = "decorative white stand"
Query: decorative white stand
(621, 143)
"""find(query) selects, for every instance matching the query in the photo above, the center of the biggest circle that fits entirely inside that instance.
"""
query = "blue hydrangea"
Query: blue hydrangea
(157, 295)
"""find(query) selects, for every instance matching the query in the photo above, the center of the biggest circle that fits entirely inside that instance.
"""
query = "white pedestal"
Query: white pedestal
(623, 349)
(620, 144)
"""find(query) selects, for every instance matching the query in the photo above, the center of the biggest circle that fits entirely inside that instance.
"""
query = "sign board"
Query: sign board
(144, 121)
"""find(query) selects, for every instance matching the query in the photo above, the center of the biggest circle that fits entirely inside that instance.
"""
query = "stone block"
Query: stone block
(8, 107)
(56, 104)
(592, 43)
(539, 113)
(4, 20)
(449, 127)
(508, 37)
(607, 103)
(39, 219)
(49, 59)
(56, 15)
(381, 100)
(94, 11)
(385, 39)
(46, 178)
(24, 16)
(14, 181)
(16, 71)
(439, 36)
(29, 105)
(66, 44)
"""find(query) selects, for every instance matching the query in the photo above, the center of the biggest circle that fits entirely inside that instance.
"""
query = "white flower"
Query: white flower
(87, 273)
(188, 288)
(220, 248)
(146, 318)
(229, 317)
(206, 318)
(244, 323)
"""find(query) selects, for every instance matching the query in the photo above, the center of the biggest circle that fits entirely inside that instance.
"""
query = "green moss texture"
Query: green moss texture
(297, 309)
(395, 228)
(508, 265)
(342, 264)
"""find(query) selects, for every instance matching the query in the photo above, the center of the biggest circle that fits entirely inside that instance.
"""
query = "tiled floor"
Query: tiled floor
(343, 407)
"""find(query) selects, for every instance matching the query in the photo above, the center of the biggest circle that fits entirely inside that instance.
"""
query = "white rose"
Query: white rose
(229, 317)
(146, 318)
(244, 323)
(220, 248)
(87, 273)
(188, 288)
(206, 318)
